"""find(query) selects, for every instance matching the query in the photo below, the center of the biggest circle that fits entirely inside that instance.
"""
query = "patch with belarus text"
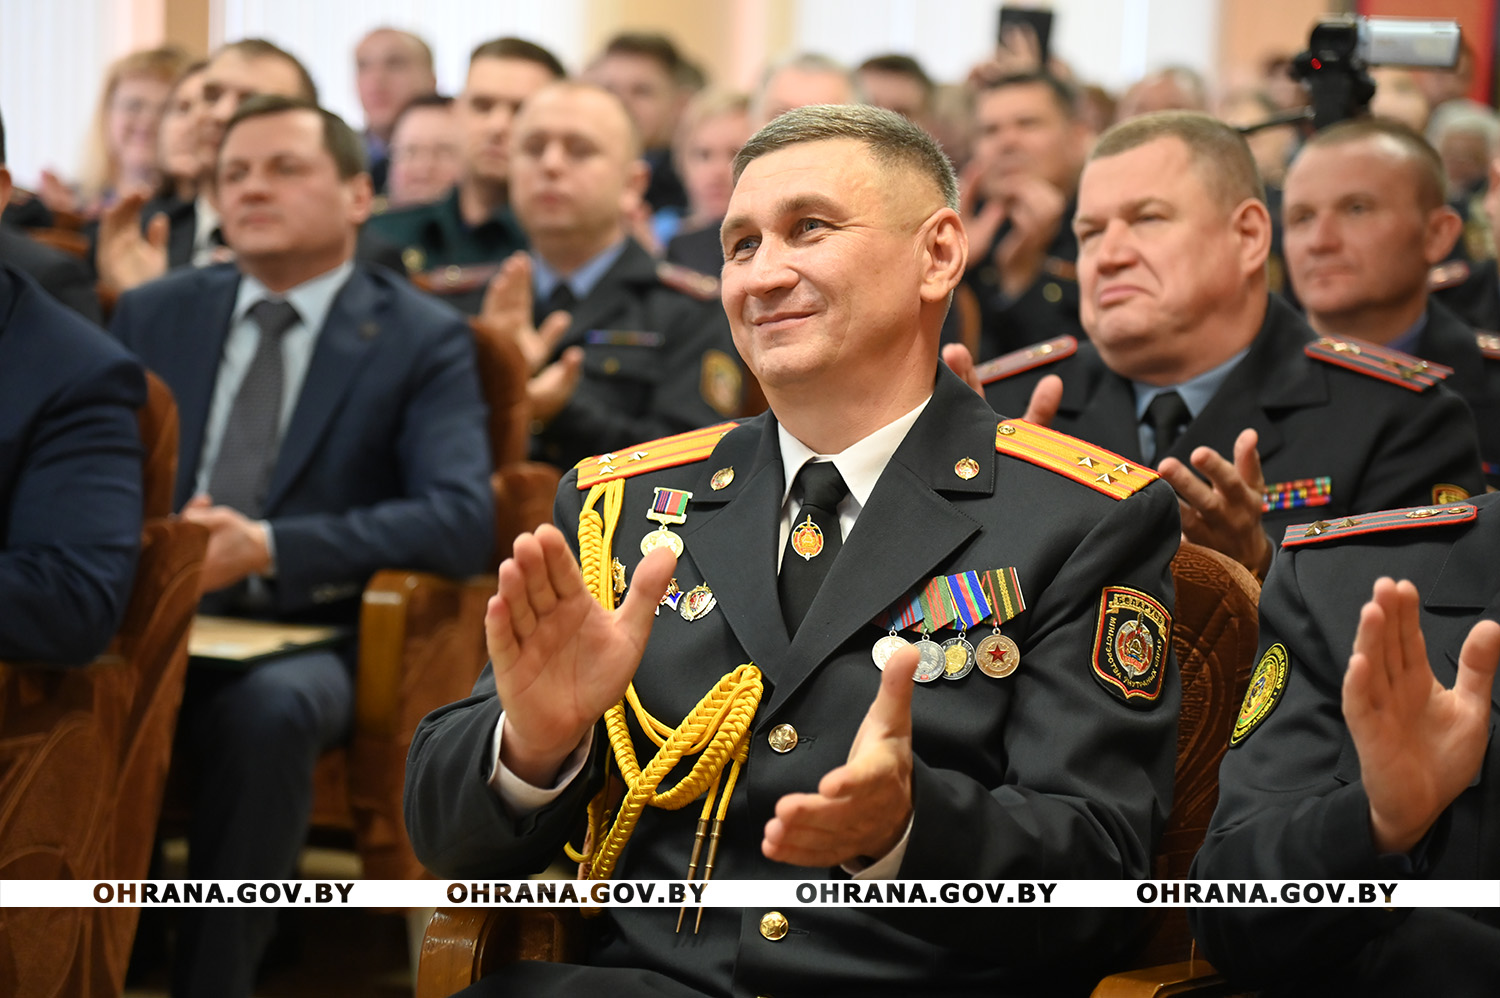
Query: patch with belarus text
(1267, 684)
(1131, 645)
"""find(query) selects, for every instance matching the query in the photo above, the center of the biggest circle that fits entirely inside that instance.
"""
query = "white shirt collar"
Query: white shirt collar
(860, 464)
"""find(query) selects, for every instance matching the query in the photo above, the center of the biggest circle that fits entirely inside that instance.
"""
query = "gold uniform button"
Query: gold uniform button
(783, 738)
(773, 925)
(1052, 292)
(611, 365)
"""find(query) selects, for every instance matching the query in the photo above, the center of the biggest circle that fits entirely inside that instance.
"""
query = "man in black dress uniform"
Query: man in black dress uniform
(877, 476)
(1194, 368)
(1385, 770)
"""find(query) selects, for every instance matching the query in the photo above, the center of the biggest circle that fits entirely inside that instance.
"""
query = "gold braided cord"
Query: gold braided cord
(717, 730)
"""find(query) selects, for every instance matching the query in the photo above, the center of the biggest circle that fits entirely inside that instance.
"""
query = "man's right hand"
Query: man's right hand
(125, 258)
(1419, 743)
(560, 659)
(507, 306)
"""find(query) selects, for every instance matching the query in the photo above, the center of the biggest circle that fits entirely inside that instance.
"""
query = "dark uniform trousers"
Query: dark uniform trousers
(1041, 774)
(1383, 445)
(1291, 805)
(656, 361)
(1046, 309)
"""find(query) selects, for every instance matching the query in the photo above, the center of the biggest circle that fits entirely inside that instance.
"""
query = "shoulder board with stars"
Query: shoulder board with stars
(1447, 275)
(451, 280)
(1380, 362)
(1321, 531)
(1101, 470)
(689, 281)
(653, 455)
(1489, 344)
(1036, 355)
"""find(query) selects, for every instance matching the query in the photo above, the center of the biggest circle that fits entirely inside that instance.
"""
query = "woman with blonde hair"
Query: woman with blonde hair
(122, 150)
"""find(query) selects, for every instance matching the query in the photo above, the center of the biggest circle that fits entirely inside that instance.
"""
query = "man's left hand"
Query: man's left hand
(1224, 513)
(237, 545)
(862, 809)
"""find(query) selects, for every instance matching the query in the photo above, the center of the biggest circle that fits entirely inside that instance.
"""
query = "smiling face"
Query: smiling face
(1162, 259)
(285, 208)
(827, 268)
(1356, 234)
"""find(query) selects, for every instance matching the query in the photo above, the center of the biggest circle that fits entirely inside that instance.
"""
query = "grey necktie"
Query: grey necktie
(247, 451)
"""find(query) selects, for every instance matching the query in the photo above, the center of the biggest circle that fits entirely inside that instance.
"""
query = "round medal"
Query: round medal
(958, 657)
(932, 663)
(997, 656)
(885, 648)
(807, 539)
(661, 537)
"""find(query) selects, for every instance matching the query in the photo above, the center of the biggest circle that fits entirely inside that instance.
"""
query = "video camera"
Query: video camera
(1342, 49)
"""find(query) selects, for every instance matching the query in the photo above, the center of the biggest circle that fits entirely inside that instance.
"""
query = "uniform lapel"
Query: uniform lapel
(600, 308)
(904, 532)
(1106, 406)
(1274, 375)
(1446, 340)
(344, 344)
(1469, 582)
(199, 357)
(731, 535)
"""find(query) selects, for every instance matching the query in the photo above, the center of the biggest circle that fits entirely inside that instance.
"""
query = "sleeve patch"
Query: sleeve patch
(1267, 684)
(1131, 645)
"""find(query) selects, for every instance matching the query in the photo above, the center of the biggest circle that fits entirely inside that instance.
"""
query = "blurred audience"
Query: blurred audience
(712, 130)
(897, 83)
(1173, 88)
(121, 152)
(801, 80)
(178, 143)
(392, 68)
(646, 72)
(426, 152)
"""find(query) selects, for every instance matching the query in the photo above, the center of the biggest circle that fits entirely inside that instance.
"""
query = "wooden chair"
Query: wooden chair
(1214, 634)
(69, 241)
(1214, 638)
(421, 637)
(84, 753)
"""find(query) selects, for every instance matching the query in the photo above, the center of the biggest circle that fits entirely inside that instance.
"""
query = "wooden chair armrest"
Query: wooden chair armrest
(1193, 977)
(408, 622)
(464, 944)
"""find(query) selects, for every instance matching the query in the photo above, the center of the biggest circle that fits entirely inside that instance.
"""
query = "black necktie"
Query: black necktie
(814, 542)
(562, 299)
(1167, 415)
(247, 451)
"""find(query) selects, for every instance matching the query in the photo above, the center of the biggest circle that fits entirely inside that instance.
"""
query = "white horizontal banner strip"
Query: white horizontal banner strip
(751, 893)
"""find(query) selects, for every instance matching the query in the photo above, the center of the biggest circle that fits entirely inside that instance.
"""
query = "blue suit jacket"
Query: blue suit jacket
(386, 460)
(70, 478)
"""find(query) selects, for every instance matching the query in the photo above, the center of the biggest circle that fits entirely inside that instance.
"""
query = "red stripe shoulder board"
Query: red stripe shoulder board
(653, 455)
(1101, 470)
(1322, 531)
(1036, 355)
(1393, 366)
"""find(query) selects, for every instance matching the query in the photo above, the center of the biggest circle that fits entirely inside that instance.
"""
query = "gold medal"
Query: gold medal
(958, 658)
(997, 655)
(661, 537)
(807, 539)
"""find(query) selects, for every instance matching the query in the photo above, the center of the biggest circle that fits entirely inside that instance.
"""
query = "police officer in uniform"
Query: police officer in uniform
(1028, 148)
(1192, 367)
(805, 537)
(1385, 770)
(1365, 221)
(623, 349)
(473, 225)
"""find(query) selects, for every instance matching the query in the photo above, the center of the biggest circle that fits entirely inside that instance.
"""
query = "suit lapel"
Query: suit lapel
(903, 533)
(344, 344)
(199, 350)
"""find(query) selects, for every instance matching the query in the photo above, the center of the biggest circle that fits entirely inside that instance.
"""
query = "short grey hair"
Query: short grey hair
(891, 138)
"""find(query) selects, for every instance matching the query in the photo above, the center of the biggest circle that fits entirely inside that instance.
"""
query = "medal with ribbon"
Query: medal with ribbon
(669, 507)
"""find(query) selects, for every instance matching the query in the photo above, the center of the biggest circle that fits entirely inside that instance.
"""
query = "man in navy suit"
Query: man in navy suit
(331, 425)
